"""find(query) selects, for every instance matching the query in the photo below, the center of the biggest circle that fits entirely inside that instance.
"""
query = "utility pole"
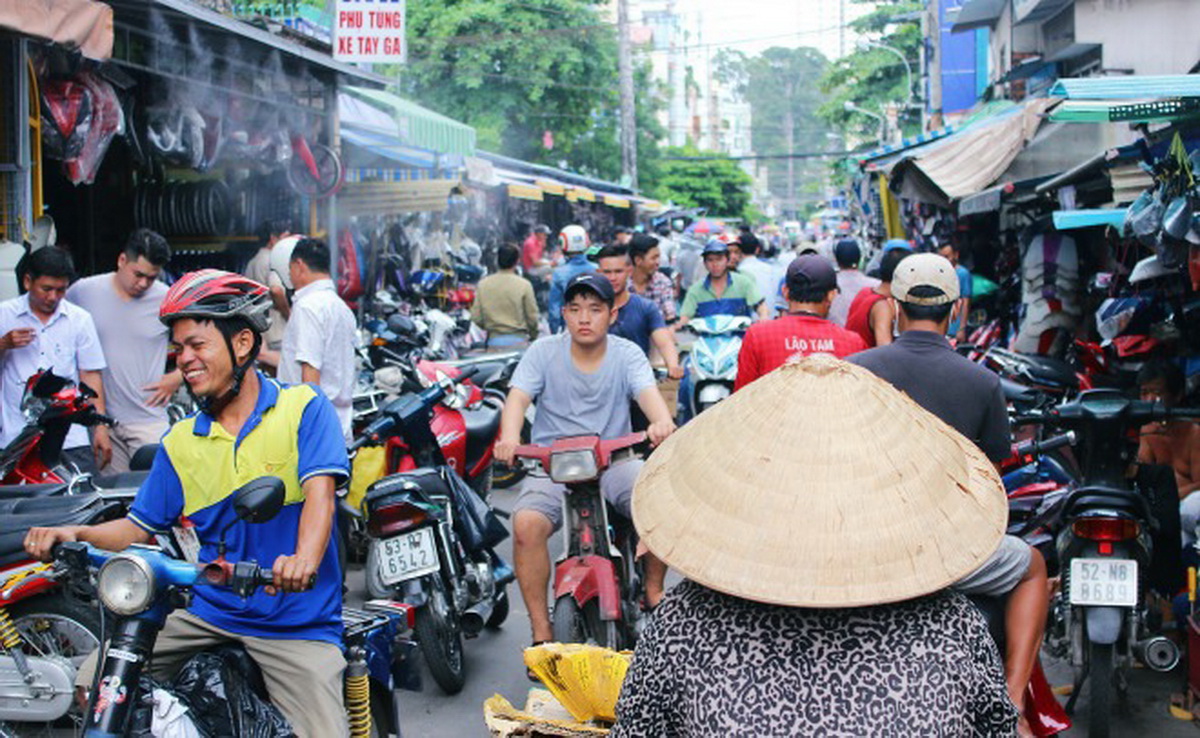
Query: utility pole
(628, 111)
(789, 130)
(841, 28)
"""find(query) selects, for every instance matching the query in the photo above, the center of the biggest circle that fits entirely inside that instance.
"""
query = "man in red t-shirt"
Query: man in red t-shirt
(809, 288)
(533, 251)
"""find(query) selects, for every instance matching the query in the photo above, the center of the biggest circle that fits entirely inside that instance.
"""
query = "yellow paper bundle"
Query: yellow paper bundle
(585, 679)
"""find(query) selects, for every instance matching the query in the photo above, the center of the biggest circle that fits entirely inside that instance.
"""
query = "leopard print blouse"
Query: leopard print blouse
(711, 665)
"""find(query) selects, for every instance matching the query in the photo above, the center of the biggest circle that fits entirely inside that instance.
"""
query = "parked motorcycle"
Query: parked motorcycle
(142, 585)
(712, 361)
(598, 581)
(1104, 543)
(46, 630)
(432, 535)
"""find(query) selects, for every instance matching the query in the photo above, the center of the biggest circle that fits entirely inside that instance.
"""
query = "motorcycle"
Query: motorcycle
(1104, 546)
(46, 630)
(712, 361)
(142, 585)
(598, 580)
(51, 405)
(432, 535)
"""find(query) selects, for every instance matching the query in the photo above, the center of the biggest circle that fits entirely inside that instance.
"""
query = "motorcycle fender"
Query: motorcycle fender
(406, 665)
(1104, 624)
(412, 593)
(589, 577)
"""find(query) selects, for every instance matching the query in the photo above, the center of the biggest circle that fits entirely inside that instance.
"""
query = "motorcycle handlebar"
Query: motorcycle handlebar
(1035, 447)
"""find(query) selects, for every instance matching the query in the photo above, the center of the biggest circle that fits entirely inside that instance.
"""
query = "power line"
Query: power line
(797, 155)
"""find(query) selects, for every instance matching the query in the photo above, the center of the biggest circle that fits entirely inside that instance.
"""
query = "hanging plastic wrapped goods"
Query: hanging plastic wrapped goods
(81, 116)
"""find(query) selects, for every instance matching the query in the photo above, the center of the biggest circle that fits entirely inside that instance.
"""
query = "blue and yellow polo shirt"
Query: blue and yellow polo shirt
(740, 297)
(293, 434)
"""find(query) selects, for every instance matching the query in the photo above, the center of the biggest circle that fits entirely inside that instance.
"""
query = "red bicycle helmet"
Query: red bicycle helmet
(215, 294)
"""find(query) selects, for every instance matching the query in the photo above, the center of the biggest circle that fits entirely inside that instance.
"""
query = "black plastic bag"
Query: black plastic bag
(223, 690)
(478, 527)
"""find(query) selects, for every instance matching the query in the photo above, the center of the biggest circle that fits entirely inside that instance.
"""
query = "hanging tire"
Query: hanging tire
(567, 621)
(499, 612)
(440, 640)
(1100, 694)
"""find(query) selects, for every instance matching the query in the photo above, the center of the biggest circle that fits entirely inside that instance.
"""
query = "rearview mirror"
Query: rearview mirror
(259, 500)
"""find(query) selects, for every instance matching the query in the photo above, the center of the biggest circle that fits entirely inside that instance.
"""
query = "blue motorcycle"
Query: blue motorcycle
(142, 585)
(711, 368)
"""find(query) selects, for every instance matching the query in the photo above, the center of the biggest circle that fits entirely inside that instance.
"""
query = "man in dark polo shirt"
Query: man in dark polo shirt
(968, 397)
(809, 288)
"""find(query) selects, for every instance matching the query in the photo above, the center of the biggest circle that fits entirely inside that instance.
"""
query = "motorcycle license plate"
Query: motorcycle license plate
(406, 556)
(1104, 582)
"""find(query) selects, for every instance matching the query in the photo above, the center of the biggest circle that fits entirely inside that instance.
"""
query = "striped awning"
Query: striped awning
(550, 186)
(525, 192)
(1128, 87)
(78, 24)
(420, 126)
(387, 198)
(616, 201)
(581, 193)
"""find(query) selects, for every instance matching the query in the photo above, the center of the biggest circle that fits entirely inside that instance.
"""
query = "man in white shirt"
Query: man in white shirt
(41, 330)
(321, 335)
(768, 276)
(258, 268)
(851, 281)
(124, 307)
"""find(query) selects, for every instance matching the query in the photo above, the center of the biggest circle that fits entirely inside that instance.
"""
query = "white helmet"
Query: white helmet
(574, 239)
(281, 257)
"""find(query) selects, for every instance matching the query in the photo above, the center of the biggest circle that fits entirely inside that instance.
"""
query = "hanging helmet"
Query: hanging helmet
(281, 257)
(212, 294)
(574, 239)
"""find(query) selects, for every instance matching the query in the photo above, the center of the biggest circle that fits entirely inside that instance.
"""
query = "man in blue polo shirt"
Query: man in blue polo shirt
(249, 426)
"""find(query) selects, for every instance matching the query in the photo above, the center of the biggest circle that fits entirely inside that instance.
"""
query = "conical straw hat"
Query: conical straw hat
(820, 485)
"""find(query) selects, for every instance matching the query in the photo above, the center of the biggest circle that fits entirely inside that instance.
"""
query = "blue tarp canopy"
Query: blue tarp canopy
(389, 147)
(1065, 220)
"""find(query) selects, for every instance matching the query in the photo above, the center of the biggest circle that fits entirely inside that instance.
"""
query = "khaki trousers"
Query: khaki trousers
(304, 678)
(127, 438)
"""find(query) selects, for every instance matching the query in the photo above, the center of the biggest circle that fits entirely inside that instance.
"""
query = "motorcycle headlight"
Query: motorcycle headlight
(711, 394)
(125, 585)
(702, 365)
(573, 466)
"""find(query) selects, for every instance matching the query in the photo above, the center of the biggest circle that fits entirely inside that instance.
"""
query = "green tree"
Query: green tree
(871, 77)
(516, 69)
(781, 86)
(715, 182)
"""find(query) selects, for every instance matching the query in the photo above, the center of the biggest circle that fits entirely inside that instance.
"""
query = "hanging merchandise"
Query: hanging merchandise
(351, 265)
(80, 116)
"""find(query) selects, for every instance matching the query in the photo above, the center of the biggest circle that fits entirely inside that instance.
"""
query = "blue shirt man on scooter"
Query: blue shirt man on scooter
(583, 381)
(249, 426)
(575, 243)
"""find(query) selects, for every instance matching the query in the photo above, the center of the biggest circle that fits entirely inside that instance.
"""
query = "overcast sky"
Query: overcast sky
(773, 23)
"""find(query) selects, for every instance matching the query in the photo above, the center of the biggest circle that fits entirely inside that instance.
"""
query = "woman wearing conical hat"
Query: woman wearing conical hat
(818, 517)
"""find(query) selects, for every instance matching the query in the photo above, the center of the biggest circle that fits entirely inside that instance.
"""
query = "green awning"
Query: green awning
(1139, 111)
(420, 126)
(1065, 220)
(1129, 87)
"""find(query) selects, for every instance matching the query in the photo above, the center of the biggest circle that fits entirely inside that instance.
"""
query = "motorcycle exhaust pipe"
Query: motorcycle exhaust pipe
(1158, 653)
(473, 619)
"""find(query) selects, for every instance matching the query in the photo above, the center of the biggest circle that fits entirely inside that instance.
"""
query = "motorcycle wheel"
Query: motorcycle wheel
(567, 621)
(499, 612)
(441, 641)
(58, 625)
(1100, 674)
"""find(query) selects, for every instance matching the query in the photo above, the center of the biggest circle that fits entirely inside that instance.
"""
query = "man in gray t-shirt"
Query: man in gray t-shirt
(124, 306)
(583, 382)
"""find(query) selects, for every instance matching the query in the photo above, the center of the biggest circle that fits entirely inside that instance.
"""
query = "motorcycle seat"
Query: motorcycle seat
(1051, 371)
(1018, 394)
(1101, 498)
(483, 425)
(428, 480)
(23, 491)
(17, 516)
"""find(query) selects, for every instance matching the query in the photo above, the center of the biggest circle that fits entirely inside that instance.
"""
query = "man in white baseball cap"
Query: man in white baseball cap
(968, 397)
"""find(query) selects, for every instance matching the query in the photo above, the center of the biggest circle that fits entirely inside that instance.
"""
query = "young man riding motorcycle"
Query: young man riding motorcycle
(584, 381)
(249, 426)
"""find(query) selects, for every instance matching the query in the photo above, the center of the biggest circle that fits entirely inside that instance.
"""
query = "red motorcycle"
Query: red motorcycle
(466, 424)
(52, 404)
(598, 581)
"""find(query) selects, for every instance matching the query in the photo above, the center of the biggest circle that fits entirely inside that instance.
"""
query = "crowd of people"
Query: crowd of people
(269, 359)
